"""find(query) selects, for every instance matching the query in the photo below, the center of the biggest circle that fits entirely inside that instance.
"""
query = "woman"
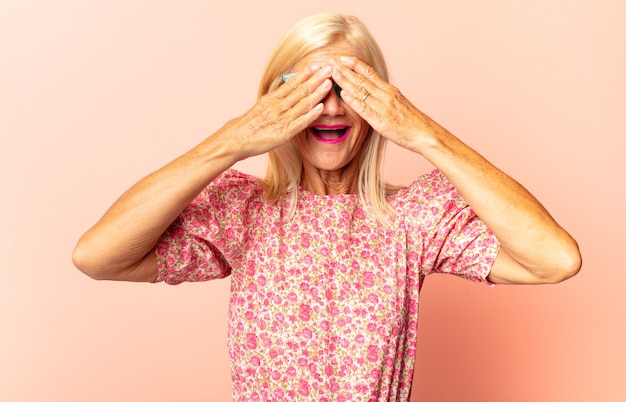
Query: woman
(326, 259)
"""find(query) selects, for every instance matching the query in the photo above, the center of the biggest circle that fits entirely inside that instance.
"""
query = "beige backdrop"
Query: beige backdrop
(96, 94)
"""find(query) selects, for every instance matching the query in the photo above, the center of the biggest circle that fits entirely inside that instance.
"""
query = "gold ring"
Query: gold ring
(365, 97)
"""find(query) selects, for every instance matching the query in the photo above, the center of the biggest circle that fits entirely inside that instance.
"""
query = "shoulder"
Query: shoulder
(233, 183)
(232, 178)
(229, 190)
(427, 188)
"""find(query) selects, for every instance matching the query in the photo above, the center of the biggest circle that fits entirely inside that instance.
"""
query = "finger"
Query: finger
(360, 94)
(302, 121)
(297, 85)
(299, 115)
(360, 67)
(355, 85)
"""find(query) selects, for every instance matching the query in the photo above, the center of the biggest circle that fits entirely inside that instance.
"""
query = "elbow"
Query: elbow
(567, 264)
(86, 261)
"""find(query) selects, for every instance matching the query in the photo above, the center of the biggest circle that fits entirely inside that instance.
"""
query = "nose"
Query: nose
(333, 105)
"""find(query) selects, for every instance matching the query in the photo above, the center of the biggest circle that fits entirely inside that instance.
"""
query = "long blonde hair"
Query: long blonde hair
(284, 171)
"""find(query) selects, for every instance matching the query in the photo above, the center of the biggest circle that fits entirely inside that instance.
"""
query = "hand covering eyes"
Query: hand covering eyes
(336, 87)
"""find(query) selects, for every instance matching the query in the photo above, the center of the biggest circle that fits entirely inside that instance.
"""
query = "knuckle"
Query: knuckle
(302, 91)
(359, 80)
(305, 103)
(369, 71)
(360, 92)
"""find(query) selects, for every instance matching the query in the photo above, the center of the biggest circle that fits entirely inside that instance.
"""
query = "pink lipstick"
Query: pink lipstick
(330, 134)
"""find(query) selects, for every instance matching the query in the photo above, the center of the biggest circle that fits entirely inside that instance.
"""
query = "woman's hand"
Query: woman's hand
(381, 104)
(281, 114)
(535, 249)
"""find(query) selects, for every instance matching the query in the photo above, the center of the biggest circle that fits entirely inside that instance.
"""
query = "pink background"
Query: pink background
(95, 94)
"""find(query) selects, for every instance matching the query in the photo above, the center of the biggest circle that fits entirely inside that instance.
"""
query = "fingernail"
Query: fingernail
(344, 59)
(328, 69)
(315, 67)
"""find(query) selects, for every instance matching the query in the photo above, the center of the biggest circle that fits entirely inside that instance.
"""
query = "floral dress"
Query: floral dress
(323, 302)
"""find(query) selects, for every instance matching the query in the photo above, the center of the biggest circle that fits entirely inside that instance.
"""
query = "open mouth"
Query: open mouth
(330, 134)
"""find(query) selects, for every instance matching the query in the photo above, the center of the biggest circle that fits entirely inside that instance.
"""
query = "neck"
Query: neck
(324, 182)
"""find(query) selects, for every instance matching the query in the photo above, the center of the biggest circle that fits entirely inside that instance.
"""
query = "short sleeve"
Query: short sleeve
(445, 235)
(209, 236)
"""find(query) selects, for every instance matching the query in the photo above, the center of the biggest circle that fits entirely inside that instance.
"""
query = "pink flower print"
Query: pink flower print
(450, 205)
(177, 233)
(360, 339)
(307, 333)
(251, 341)
(372, 353)
(334, 310)
(306, 241)
(368, 279)
(303, 388)
(329, 370)
(325, 325)
(291, 371)
(360, 214)
(292, 297)
(365, 229)
(255, 361)
(372, 298)
(412, 307)
(348, 361)
(262, 281)
(279, 317)
(279, 394)
(305, 312)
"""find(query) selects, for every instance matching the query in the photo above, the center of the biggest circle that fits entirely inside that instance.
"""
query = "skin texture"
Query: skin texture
(535, 249)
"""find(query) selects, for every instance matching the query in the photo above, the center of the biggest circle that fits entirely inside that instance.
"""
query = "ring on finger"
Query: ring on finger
(365, 97)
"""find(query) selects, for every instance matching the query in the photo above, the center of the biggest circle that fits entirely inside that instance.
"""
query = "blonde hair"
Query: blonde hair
(284, 170)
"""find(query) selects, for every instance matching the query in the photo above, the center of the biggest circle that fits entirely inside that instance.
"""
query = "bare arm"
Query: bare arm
(535, 249)
(119, 246)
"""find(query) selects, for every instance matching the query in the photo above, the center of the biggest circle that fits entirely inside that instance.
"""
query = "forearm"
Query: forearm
(133, 224)
(525, 229)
